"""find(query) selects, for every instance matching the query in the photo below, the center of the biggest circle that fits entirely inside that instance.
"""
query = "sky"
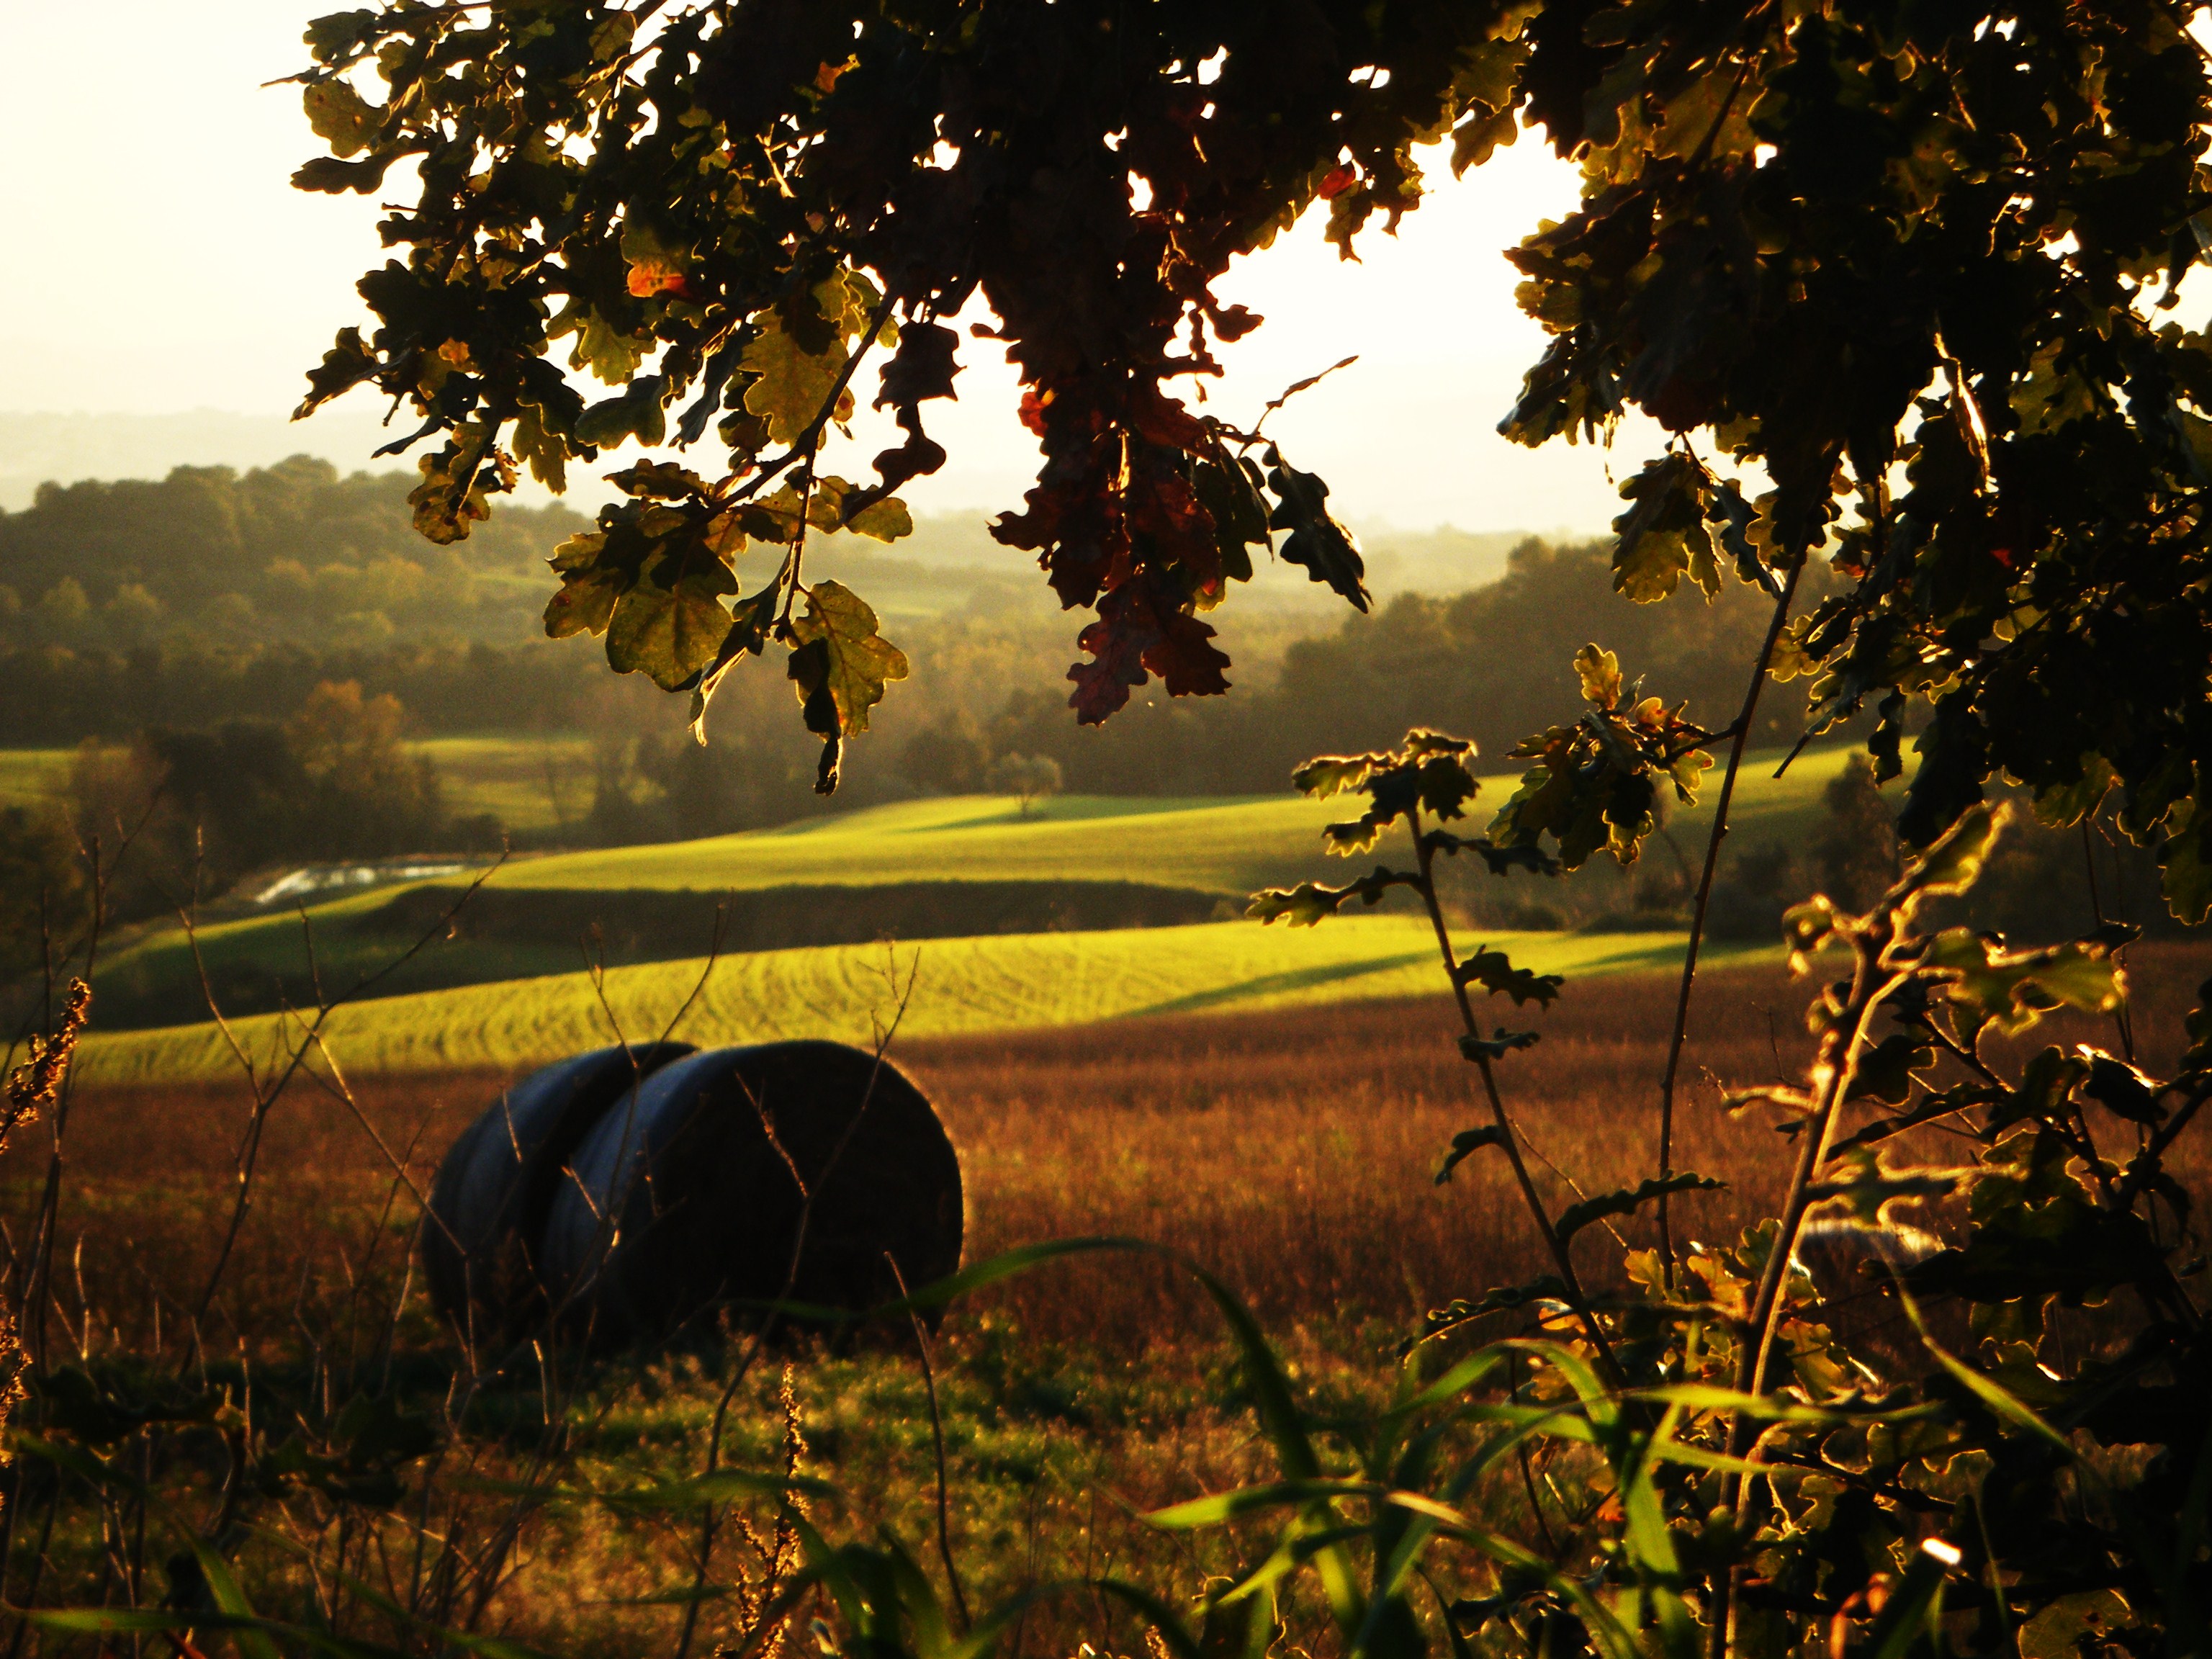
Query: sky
(184, 288)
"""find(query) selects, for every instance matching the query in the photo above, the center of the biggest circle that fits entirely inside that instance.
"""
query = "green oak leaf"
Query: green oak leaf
(1476, 1046)
(583, 603)
(1859, 1184)
(1885, 1072)
(1663, 534)
(795, 365)
(636, 412)
(541, 451)
(613, 355)
(790, 383)
(1954, 863)
(1329, 552)
(331, 176)
(1333, 775)
(842, 665)
(885, 520)
(670, 633)
(1228, 488)
(1627, 1200)
(340, 116)
(1495, 973)
(2187, 879)
(1309, 902)
(458, 484)
(1464, 1144)
(1306, 905)
(1599, 672)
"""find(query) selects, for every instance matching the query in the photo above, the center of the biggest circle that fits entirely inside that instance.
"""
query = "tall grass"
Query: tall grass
(1291, 1151)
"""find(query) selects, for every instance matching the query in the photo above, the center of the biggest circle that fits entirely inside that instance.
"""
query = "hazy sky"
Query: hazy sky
(163, 264)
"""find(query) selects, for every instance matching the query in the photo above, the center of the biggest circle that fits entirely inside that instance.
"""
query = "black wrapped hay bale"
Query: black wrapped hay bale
(684, 1203)
(489, 1204)
(724, 1179)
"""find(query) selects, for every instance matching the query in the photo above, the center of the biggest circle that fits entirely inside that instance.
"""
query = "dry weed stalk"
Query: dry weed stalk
(32, 1088)
(37, 1083)
(1155, 1647)
(778, 1551)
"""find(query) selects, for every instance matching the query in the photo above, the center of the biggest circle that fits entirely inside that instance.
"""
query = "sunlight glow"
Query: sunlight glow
(182, 272)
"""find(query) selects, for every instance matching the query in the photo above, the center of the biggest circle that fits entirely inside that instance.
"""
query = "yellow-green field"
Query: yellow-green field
(532, 784)
(1231, 847)
(966, 985)
(1226, 844)
(29, 775)
(506, 1004)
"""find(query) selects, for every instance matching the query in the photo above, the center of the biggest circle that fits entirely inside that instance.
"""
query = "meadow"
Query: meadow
(1269, 1102)
(1230, 845)
(850, 992)
(516, 995)
(1291, 1151)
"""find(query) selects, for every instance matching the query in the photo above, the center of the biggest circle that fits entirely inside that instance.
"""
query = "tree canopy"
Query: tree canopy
(1912, 265)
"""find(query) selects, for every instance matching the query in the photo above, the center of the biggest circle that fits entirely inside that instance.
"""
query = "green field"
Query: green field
(843, 991)
(1224, 847)
(30, 775)
(1230, 848)
(489, 1001)
(521, 778)
(1231, 845)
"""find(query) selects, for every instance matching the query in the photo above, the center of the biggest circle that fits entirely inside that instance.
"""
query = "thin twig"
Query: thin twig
(1874, 978)
(1426, 887)
(937, 1442)
(266, 1100)
(1713, 839)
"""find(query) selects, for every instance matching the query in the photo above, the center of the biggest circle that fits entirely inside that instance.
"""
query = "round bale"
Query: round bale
(488, 1204)
(743, 1177)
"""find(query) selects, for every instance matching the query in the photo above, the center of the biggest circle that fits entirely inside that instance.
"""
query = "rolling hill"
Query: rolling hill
(848, 992)
(1170, 860)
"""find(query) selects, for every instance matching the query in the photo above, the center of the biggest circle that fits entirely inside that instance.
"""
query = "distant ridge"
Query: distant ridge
(37, 446)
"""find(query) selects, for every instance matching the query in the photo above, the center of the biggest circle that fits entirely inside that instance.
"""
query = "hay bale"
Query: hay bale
(488, 1204)
(687, 1205)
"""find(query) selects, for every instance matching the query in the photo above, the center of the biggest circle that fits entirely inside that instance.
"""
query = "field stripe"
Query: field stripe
(1005, 983)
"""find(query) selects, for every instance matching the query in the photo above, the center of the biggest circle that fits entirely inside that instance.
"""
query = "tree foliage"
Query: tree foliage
(1901, 283)
(1938, 245)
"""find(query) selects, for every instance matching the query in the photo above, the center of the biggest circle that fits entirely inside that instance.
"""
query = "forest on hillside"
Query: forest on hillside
(207, 663)
(207, 683)
(213, 596)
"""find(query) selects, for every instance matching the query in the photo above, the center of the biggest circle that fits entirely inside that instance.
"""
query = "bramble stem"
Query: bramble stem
(1835, 1069)
(1427, 888)
(1742, 738)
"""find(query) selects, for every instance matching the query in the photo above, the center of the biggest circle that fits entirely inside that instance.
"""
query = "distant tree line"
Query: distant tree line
(1493, 663)
(291, 552)
(179, 816)
(56, 696)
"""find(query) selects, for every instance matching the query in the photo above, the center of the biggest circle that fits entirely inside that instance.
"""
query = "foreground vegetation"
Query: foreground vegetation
(1909, 267)
(1293, 1155)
